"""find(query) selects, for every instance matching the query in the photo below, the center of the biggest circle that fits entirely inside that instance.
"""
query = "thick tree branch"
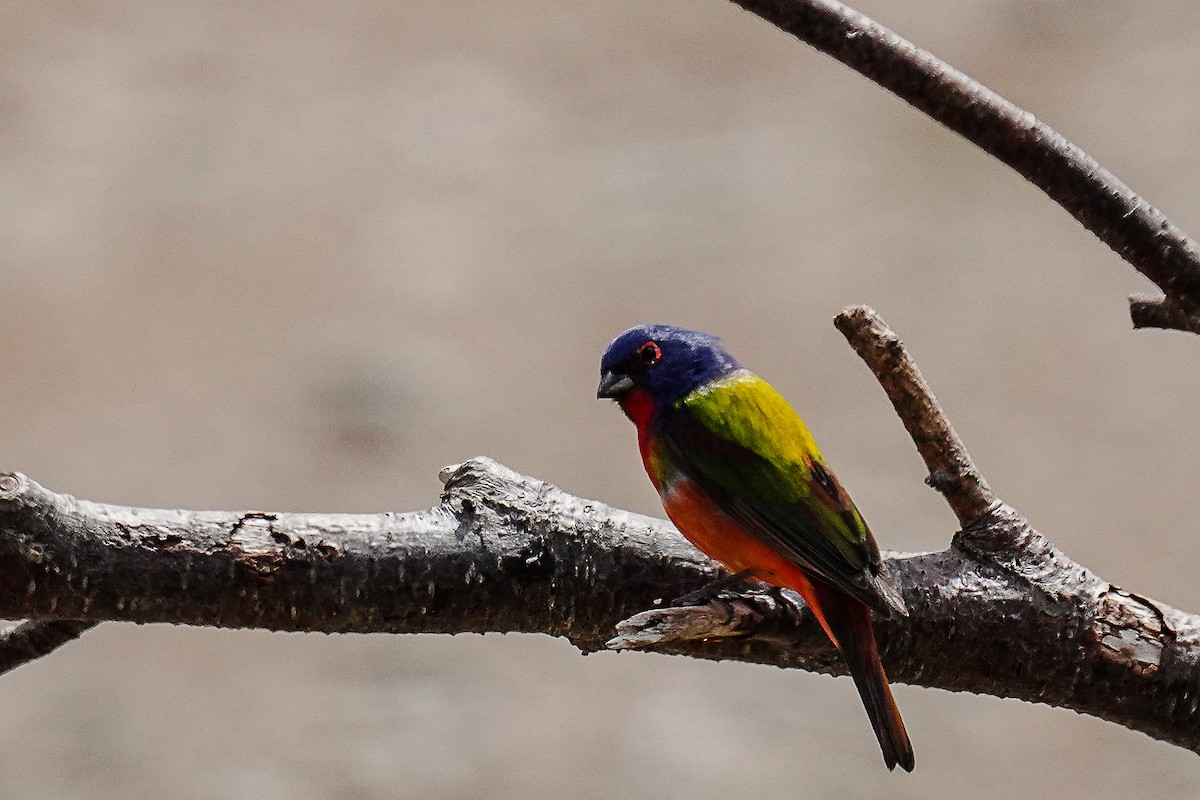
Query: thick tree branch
(503, 552)
(507, 553)
(1138, 232)
(1001, 611)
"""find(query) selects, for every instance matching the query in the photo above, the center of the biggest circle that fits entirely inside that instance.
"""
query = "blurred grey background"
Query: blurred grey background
(301, 255)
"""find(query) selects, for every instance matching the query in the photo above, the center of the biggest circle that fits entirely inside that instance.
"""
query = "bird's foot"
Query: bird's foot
(706, 594)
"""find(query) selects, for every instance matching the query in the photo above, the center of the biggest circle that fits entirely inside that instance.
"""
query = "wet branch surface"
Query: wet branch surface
(1001, 611)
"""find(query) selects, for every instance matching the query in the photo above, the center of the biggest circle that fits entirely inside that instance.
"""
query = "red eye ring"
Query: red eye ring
(650, 353)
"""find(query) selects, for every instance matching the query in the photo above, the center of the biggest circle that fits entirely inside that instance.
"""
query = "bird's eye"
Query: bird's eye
(650, 353)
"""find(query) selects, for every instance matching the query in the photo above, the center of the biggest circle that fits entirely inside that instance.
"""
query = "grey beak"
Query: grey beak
(613, 385)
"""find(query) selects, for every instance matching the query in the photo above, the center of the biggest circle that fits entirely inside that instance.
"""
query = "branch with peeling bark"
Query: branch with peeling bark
(1001, 611)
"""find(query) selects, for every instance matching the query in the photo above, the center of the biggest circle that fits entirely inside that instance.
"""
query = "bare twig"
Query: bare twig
(33, 639)
(951, 470)
(1137, 231)
(992, 531)
(1162, 312)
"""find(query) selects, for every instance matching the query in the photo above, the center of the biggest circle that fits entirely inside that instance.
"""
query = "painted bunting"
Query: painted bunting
(741, 477)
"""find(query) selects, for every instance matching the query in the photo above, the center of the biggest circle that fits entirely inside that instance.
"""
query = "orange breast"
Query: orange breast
(722, 539)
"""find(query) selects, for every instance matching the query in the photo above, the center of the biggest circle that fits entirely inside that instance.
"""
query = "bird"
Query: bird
(742, 479)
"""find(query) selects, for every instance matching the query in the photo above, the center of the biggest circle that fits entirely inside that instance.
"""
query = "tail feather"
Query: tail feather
(850, 621)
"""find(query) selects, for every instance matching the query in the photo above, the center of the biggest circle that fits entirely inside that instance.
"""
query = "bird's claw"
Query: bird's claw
(706, 594)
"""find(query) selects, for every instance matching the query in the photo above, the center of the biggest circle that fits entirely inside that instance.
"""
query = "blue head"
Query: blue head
(665, 361)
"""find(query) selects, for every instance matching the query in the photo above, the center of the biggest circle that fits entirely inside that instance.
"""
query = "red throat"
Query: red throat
(638, 406)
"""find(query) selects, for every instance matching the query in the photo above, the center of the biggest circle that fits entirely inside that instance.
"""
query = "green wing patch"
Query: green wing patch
(742, 442)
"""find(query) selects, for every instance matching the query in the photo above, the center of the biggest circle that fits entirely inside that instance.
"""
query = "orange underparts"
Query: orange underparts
(722, 539)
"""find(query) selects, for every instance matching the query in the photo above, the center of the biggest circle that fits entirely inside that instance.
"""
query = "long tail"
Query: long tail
(849, 622)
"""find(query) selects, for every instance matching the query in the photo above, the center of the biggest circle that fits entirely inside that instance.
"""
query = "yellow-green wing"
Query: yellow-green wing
(741, 441)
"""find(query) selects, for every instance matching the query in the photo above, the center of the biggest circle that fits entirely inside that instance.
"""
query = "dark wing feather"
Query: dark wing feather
(784, 495)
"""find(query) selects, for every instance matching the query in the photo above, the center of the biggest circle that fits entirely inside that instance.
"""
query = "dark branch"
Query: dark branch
(503, 552)
(1162, 312)
(1002, 611)
(1137, 231)
(33, 639)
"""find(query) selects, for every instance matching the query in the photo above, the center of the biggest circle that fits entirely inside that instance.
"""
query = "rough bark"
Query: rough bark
(500, 553)
(1001, 611)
